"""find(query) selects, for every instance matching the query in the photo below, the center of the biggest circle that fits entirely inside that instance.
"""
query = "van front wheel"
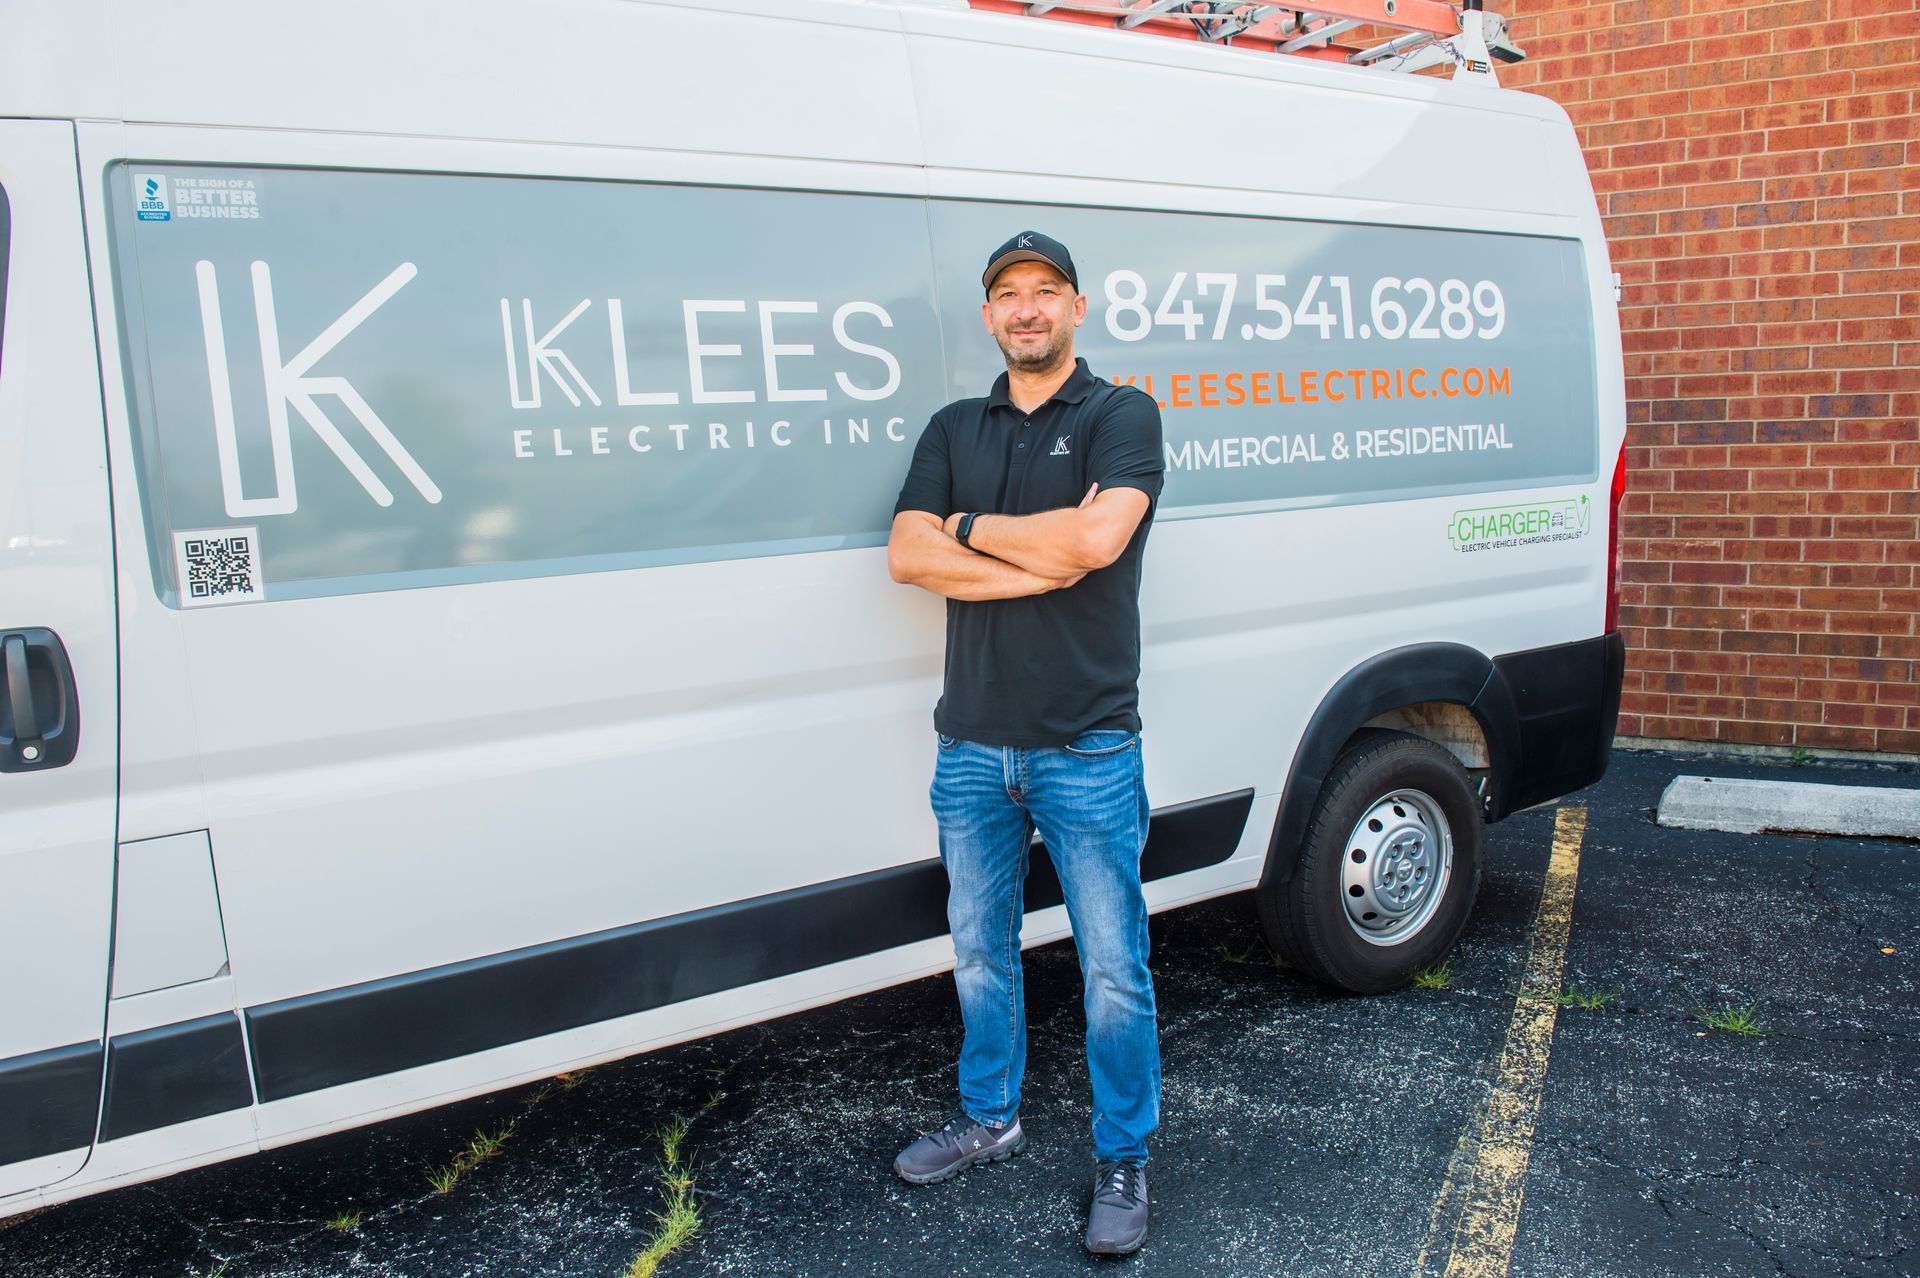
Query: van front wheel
(1387, 875)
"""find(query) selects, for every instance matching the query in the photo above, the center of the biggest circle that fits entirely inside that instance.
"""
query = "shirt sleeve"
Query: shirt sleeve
(929, 483)
(1127, 451)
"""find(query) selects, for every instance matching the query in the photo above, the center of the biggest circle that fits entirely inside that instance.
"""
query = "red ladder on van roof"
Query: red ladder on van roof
(1432, 32)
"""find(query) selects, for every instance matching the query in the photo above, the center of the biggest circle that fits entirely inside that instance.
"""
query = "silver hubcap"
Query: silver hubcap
(1395, 870)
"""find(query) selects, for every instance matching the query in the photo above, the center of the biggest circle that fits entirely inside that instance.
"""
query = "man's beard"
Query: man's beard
(1043, 359)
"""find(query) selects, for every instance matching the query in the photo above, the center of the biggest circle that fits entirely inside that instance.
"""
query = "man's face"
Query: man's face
(1032, 311)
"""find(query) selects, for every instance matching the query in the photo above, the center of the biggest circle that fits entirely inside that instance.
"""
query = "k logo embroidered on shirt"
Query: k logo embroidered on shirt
(1060, 447)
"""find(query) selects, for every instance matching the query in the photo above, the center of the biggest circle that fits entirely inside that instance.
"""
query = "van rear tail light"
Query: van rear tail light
(1613, 541)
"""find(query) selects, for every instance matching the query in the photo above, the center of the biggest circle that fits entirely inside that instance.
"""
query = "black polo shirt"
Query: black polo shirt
(1041, 670)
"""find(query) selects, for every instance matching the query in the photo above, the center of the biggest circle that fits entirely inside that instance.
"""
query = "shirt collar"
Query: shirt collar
(1078, 384)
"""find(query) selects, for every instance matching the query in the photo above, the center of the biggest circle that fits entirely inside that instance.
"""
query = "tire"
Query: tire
(1406, 809)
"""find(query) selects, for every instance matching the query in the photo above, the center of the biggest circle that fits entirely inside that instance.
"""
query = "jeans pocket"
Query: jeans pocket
(1101, 743)
(946, 742)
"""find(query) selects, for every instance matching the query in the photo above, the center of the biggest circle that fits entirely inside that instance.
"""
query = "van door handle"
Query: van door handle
(26, 729)
(40, 712)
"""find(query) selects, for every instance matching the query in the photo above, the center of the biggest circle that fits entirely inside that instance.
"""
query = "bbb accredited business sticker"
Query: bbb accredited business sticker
(150, 198)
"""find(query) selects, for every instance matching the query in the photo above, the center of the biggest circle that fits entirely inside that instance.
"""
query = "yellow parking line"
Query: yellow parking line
(1487, 1175)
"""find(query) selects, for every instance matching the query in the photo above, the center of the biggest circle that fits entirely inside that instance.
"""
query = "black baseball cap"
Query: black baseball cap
(1031, 246)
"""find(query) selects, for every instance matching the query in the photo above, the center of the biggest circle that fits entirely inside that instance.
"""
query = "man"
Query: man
(1028, 511)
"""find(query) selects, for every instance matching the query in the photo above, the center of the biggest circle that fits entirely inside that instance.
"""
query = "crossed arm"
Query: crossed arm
(1014, 555)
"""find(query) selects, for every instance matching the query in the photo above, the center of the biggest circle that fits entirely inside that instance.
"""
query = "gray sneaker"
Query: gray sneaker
(1117, 1217)
(944, 1154)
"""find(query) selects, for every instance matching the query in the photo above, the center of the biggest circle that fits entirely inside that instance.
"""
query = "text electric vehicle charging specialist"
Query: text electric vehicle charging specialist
(1028, 511)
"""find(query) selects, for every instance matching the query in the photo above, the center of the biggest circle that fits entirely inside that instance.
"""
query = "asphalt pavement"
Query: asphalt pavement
(1303, 1133)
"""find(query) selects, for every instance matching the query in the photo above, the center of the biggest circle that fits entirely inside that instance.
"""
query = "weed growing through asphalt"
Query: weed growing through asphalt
(558, 1083)
(1798, 757)
(672, 1136)
(483, 1146)
(678, 1221)
(1585, 1000)
(1437, 977)
(1744, 1021)
(1257, 952)
(218, 1271)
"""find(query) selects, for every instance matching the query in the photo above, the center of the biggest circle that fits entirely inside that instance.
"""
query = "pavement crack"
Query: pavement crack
(1811, 882)
(1763, 1245)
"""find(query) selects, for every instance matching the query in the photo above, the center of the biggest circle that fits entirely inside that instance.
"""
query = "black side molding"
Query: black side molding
(49, 1101)
(162, 1076)
(341, 1036)
(1187, 836)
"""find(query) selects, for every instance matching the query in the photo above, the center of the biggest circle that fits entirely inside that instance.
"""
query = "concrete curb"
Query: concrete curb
(1789, 807)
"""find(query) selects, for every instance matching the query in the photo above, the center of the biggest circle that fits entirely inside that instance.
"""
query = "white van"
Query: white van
(445, 461)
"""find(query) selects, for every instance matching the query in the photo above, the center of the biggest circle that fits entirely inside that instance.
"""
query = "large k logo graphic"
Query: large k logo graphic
(289, 386)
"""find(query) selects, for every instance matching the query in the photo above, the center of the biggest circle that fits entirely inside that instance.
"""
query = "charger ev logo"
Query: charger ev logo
(150, 198)
(289, 386)
(1526, 524)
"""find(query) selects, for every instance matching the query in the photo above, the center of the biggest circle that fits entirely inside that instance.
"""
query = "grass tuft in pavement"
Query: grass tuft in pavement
(483, 1146)
(1584, 1000)
(1437, 977)
(1743, 1021)
(346, 1222)
(1257, 952)
(679, 1220)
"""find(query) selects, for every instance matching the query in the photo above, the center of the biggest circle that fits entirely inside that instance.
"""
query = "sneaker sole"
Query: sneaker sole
(996, 1154)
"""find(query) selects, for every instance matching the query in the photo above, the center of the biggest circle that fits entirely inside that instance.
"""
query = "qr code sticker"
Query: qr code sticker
(218, 566)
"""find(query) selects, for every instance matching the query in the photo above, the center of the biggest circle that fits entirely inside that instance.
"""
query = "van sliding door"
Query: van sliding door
(58, 711)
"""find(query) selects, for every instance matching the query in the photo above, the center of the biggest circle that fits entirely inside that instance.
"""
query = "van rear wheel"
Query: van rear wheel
(1387, 875)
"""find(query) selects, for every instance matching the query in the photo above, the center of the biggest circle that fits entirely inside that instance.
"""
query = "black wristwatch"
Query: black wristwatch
(966, 526)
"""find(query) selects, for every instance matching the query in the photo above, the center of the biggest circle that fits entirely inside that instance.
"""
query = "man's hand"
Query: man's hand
(922, 551)
(1063, 545)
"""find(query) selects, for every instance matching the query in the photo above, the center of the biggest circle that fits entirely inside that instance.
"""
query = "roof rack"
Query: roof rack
(1432, 32)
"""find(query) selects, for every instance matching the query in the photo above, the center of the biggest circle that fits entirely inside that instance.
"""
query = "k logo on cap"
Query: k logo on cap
(1031, 246)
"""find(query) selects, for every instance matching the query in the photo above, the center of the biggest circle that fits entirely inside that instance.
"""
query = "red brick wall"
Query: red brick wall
(1758, 172)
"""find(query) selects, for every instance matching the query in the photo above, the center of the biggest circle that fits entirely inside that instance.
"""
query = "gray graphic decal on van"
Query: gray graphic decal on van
(503, 377)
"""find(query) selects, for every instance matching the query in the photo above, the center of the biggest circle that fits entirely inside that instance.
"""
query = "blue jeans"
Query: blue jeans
(1089, 802)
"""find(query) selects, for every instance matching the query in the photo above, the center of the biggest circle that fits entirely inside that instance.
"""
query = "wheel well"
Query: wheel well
(1444, 692)
(1447, 724)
